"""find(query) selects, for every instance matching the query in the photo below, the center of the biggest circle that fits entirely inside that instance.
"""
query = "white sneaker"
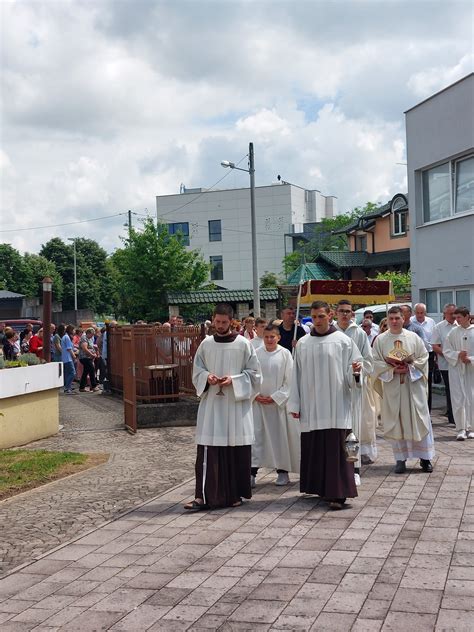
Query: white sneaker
(357, 479)
(462, 434)
(282, 478)
(470, 434)
(253, 482)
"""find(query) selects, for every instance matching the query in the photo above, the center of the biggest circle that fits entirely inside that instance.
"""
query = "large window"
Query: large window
(215, 230)
(436, 299)
(217, 268)
(448, 189)
(182, 229)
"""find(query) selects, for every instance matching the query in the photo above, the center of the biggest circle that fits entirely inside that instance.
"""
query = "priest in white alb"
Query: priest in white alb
(459, 352)
(276, 434)
(323, 374)
(226, 375)
(401, 365)
(364, 417)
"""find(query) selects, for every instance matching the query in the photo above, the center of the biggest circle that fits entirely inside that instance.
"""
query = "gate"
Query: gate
(129, 381)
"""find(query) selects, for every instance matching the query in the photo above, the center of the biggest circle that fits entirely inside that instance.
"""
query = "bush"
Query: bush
(30, 358)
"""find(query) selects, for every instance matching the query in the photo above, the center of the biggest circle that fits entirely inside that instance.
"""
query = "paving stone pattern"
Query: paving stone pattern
(401, 557)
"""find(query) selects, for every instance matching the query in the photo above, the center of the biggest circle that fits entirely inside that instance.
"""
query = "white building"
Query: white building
(440, 153)
(218, 224)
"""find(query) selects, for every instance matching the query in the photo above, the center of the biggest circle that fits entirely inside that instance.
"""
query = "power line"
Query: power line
(82, 221)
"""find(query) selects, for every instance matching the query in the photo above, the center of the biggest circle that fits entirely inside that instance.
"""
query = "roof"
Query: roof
(470, 75)
(346, 259)
(5, 294)
(319, 271)
(366, 221)
(220, 296)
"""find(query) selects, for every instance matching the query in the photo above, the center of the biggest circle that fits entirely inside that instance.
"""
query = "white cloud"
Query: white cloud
(112, 103)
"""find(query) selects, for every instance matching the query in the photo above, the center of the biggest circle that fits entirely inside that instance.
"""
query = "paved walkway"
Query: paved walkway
(401, 557)
(139, 468)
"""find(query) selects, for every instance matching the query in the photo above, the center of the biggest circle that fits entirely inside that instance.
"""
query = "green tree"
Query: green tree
(401, 281)
(270, 279)
(13, 273)
(94, 284)
(152, 263)
(37, 268)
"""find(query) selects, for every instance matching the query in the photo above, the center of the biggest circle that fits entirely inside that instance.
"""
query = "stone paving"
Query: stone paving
(139, 468)
(400, 557)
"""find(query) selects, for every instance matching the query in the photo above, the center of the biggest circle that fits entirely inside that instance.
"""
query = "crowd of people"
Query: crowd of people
(290, 396)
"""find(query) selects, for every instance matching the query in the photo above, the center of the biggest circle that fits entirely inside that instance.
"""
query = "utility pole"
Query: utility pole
(130, 224)
(253, 222)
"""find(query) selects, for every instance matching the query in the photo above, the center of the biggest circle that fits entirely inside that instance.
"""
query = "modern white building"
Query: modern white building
(440, 154)
(217, 223)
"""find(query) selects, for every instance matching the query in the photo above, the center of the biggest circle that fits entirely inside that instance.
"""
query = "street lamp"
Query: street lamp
(253, 226)
(73, 239)
(47, 290)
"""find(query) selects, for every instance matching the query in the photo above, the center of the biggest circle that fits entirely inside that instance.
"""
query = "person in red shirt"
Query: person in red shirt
(36, 344)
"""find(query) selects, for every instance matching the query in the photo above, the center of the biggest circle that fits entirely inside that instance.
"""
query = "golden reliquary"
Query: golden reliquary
(399, 355)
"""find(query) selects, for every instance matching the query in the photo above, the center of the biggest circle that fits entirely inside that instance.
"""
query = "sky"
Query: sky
(107, 103)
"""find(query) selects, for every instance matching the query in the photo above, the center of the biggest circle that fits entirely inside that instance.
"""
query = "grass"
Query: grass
(25, 469)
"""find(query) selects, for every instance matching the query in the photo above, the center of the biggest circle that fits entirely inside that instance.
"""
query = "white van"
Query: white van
(380, 311)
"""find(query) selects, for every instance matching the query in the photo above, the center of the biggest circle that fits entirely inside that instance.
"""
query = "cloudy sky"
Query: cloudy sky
(108, 103)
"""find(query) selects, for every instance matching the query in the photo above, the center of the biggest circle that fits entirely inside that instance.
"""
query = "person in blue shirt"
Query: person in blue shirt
(67, 358)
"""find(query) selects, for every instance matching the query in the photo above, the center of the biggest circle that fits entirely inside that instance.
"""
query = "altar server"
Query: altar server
(276, 434)
(459, 352)
(363, 407)
(227, 377)
(401, 364)
(320, 398)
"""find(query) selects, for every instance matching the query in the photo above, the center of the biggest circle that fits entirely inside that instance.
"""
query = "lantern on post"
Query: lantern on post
(47, 306)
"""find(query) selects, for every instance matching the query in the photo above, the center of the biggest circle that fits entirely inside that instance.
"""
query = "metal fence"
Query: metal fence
(149, 349)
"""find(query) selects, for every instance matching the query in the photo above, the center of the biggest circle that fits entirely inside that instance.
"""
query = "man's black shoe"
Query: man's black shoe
(400, 467)
(426, 466)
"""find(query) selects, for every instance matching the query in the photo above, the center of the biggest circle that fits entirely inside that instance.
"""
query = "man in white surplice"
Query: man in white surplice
(459, 352)
(362, 426)
(276, 435)
(401, 364)
(226, 376)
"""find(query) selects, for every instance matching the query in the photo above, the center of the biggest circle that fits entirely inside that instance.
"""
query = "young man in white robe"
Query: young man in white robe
(459, 352)
(320, 397)
(363, 412)
(401, 364)
(438, 339)
(226, 375)
(260, 324)
(276, 434)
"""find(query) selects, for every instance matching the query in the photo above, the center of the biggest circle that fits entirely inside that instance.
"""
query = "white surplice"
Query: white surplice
(256, 342)
(364, 417)
(277, 437)
(461, 376)
(322, 381)
(226, 420)
(405, 416)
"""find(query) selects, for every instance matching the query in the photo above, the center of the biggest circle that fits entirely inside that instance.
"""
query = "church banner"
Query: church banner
(358, 292)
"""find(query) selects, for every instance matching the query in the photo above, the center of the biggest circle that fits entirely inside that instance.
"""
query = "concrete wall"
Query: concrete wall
(28, 417)
(440, 129)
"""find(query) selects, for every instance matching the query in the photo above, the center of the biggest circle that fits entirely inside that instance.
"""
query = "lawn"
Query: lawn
(24, 469)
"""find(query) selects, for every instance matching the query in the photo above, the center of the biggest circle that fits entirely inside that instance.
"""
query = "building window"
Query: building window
(400, 222)
(361, 243)
(448, 189)
(180, 229)
(217, 268)
(464, 191)
(436, 299)
(215, 230)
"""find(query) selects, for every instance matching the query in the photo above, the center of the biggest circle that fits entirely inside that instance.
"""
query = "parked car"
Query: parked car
(380, 311)
(19, 324)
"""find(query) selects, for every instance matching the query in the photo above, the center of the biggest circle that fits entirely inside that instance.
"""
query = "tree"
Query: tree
(152, 263)
(94, 285)
(37, 267)
(401, 281)
(13, 273)
(270, 279)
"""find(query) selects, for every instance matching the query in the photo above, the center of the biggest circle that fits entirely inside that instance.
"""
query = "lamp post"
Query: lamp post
(253, 226)
(73, 239)
(47, 294)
